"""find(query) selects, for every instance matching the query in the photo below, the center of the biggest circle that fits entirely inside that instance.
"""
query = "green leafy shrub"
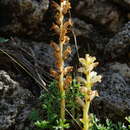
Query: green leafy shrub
(50, 106)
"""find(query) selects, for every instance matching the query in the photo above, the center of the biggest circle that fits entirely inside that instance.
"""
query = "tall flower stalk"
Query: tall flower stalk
(62, 50)
(91, 77)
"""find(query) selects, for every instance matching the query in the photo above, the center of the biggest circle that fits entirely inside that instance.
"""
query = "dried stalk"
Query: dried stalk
(61, 27)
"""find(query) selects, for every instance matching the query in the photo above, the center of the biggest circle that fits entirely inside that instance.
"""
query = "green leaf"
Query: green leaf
(61, 125)
(34, 115)
(128, 118)
(3, 40)
(42, 124)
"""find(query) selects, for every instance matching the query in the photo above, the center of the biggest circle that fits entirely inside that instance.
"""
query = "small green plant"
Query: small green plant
(61, 125)
(128, 119)
(86, 84)
(49, 117)
(71, 105)
(50, 101)
(42, 124)
(71, 93)
(108, 125)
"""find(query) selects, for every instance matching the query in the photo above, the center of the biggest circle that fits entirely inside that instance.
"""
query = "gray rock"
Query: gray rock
(36, 57)
(14, 102)
(101, 12)
(118, 45)
(25, 16)
(124, 3)
(114, 97)
(121, 68)
(87, 35)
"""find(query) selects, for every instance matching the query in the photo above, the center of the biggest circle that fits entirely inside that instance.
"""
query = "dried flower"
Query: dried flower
(55, 46)
(61, 28)
(67, 70)
(55, 28)
(67, 81)
(67, 52)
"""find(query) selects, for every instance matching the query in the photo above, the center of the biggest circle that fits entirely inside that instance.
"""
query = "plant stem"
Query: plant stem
(62, 93)
(86, 106)
(61, 77)
(85, 114)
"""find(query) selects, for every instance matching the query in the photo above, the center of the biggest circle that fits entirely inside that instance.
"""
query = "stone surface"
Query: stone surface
(87, 35)
(15, 102)
(114, 97)
(119, 44)
(25, 17)
(36, 57)
(100, 12)
(121, 68)
(124, 3)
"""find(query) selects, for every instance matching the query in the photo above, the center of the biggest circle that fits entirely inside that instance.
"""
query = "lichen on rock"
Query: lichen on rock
(114, 97)
(14, 102)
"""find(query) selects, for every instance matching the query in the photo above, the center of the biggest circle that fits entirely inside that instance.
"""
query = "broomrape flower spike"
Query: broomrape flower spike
(88, 64)
(61, 53)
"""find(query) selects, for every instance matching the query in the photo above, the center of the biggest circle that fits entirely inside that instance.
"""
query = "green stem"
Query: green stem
(62, 102)
(85, 114)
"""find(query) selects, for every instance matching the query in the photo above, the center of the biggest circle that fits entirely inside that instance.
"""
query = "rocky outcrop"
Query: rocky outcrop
(101, 12)
(114, 97)
(25, 17)
(114, 93)
(119, 44)
(35, 57)
(87, 35)
(124, 3)
(121, 68)
(15, 103)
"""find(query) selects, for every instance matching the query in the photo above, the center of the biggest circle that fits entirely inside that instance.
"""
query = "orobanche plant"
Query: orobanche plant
(62, 50)
(86, 84)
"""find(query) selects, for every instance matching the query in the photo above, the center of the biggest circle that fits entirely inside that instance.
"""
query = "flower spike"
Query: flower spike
(88, 64)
